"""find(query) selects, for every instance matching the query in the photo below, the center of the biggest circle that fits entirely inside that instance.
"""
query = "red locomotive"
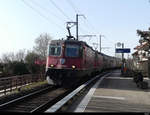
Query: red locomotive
(70, 60)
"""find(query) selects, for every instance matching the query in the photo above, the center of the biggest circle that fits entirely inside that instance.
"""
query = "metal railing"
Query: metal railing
(9, 84)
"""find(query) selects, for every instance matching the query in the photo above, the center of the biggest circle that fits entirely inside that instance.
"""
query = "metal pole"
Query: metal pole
(100, 43)
(77, 26)
(115, 50)
(122, 53)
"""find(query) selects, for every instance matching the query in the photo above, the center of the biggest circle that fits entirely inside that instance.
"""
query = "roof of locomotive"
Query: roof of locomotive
(69, 41)
(59, 42)
(107, 55)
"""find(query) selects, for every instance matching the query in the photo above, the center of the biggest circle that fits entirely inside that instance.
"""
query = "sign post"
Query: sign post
(124, 50)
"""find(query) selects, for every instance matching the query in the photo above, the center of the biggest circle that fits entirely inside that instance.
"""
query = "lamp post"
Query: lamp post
(120, 45)
(122, 53)
(100, 46)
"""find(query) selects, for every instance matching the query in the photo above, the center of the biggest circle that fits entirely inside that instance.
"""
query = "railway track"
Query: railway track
(65, 103)
(49, 97)
(34, 102)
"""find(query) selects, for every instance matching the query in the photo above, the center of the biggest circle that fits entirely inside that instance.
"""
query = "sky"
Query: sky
(22, 21)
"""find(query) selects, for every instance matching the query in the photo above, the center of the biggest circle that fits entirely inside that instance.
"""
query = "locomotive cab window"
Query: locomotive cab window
(54, 51)
(72, 50)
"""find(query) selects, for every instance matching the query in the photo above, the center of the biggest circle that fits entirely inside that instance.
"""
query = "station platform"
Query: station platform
(114, 93)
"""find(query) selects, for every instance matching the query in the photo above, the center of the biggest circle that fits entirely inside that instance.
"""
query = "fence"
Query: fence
(8, 84)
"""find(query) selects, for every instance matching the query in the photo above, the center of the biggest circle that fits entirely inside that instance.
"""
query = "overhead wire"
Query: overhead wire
(46, 9)
(73, 6)
(87, 22)
(76, 10)
(60, 10)
(46, 18)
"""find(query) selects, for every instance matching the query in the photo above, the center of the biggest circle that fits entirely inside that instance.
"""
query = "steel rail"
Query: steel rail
(22, 98)
(38, 102)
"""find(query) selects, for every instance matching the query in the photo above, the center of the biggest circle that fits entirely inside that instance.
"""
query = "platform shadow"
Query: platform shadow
(121, 83)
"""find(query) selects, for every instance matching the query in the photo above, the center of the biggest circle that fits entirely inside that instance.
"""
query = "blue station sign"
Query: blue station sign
(125, 50)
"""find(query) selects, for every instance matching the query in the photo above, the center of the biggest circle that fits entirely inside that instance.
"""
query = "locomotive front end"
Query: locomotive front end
(63, 61)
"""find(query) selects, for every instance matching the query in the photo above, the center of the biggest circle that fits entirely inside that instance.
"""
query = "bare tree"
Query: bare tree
(41, 44)
(5, 58)
(20, 55)
(8, 57)
(11, 56)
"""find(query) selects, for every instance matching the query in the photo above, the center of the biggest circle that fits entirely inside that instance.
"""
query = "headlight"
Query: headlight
(73, 66)
(52, 65)
(62, 61)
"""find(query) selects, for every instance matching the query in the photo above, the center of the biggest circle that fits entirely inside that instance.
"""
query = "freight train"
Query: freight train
(70, 60)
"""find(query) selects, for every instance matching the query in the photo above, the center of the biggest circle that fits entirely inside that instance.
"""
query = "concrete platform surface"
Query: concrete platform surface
(115, 94)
